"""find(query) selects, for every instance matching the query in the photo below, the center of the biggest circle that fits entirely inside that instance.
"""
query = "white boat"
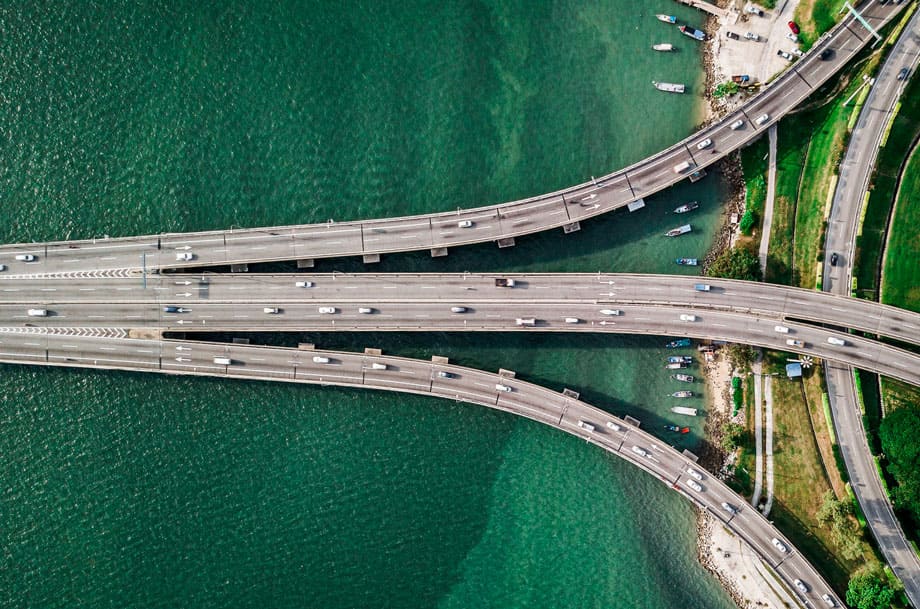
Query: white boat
(667, 18)
(690, 412)
(670, 87)
(664, 46)
(680, 230)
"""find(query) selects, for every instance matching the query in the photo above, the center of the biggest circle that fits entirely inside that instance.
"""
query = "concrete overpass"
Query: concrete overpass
(564, 412)
(442, 230)
(735, 311)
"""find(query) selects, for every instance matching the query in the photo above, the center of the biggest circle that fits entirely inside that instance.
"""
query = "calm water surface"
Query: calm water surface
(130, 490)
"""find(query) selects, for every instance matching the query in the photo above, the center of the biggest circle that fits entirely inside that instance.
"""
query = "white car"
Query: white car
(704, 144)
(738, 124)
(465, 224)
(271, 310)
(319, 359)
(781, 329)
(762, 119)
(37, 312)
(639, 451)
(801, 585)
(611, 312)
(25, 257)
(500, 387)
(329, 310)
(785, 55)
(729, 508)
(185, 256)
(2, 267)
(827, 599)
(695, 474)
(794, 343)
(303, 284)
(686, 317)
(798, 53)
(458, 309)
(752, 36)
(365, 310)
(779, 545)
(695, 486)
(572, 320)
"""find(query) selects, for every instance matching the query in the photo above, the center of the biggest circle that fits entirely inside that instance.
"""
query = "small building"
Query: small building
(794, 370)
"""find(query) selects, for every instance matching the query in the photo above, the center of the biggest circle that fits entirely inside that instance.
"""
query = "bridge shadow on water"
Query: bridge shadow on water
(608, 371)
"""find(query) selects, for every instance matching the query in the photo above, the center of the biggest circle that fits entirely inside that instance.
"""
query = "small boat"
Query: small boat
(684, 430)
(676, 365)
(664, 46)
(680, 359)
(670, 87)
(740, 78)
(667, 18)
(682, 394)
(687, 207)
(683, 378)
(687, 261)
(680, 230)
(680, 342)
(674, 428)
(690, 412)
(692, 32)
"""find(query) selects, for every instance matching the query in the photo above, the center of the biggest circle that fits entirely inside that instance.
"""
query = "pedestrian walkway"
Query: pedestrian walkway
(768, 204)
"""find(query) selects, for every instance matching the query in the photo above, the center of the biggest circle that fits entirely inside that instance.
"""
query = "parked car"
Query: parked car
(785, 55)
(792, 37)
(732, 35)
(752, 36)
(754, 10)
(794, 27)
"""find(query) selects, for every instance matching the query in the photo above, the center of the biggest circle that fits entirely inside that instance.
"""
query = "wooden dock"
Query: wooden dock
(706, 7)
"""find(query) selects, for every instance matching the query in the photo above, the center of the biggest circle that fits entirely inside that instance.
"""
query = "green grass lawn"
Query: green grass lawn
(901, 275)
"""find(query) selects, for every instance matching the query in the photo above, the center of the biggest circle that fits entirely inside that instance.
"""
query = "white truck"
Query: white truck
(682, 167)
(504, 282)
(525, 321)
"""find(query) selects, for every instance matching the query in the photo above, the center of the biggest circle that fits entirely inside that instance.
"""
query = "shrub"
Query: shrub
(747, 222)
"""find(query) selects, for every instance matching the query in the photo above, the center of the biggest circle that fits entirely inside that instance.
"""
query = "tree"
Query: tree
(838, 516)
(729, 87)
(732, 434)
(899, 431)
(869, 590)
(736, 263)
(747, 222)
(741, 356)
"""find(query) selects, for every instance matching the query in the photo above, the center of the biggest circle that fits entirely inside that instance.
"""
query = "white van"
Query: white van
(319, 359)
(37, 312)
(613, 426)
(686, 317)
(303, 284)
(586, 426)
(365, 310)
(611, 312)
(271, 310)
(378, 366)
(781, 329)
(836, 341)
(525, 321)
(465, 224)
(500, 387)
(682, 167)
(572, 320)
(223, 361)
(25, 257)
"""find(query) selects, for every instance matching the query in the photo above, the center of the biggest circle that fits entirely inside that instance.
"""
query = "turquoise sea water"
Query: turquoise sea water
(131, 490)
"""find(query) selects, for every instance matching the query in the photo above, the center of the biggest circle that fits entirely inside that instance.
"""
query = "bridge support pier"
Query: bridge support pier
(574, 227)
(371, 258)
(239, 268)
(437, 252)
(506, 242)
(306, 263)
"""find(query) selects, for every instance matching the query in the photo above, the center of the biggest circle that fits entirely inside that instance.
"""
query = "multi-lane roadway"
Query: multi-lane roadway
(503, 392)
(439, 231)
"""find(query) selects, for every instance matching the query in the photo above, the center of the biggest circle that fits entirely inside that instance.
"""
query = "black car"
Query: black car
(826, 54)
(903, 73)
(733, 35)
(834, 259)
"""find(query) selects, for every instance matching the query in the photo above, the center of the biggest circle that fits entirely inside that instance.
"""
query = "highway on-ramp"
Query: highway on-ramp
(438, 231)
(439, 379)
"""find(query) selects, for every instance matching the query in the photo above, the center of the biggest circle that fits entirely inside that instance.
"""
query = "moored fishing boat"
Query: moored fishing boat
(676, 365)
(679, 342)
(680, 359)
(680, 230)
(690, 412)
(687, 207)
(682, 394)
(664, 46)
(669, 87)
(692, 32)
(687, 261)
(666, 18)
(684, 378)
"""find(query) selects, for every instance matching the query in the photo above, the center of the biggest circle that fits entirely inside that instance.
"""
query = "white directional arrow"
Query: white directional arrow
(608, 323)
(611, 294)
(183, 348)
(588, 198)
(180, 322)
(184, 247)
(183, 359)
(183, 283)
(186, 294)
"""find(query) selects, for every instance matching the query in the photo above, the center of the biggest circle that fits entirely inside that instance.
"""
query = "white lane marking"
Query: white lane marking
(240, 316)
(10, 289)
(87, 289)
(49, 290)
(124, 289)
(32, 344)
